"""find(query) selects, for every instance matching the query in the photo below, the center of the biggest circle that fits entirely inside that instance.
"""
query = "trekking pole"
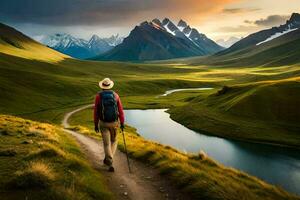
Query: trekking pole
(126, 151)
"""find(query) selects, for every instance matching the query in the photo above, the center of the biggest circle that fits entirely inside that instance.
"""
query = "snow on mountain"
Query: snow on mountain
(169, 26)
(291, 25)
(114, 40)
(276, 35)
(182, 25)
(229, 42)
(266, 35)
(63, 40)
(80, 48)
(159, 40)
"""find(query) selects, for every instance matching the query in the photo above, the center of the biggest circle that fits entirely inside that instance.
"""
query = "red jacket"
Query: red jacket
(97, 104)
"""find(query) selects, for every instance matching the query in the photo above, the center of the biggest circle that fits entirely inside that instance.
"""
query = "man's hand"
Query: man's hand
(122, 127)
(96, 129)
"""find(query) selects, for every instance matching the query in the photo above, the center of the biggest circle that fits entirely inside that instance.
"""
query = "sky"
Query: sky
(218, 19)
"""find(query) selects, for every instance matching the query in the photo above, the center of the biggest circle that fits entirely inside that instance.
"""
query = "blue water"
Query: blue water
(276, 165)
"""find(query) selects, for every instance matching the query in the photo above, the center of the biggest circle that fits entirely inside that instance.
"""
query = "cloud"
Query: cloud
(238, 29)
(101, 12)
(239, 10)
(272, 20)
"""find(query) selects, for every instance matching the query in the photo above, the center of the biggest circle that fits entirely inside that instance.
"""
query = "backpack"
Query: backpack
(108, 111)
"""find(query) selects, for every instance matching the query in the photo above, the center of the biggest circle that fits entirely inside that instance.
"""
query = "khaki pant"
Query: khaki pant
(109, 137)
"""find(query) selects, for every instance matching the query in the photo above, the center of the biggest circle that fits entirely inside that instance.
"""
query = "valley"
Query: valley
(253, 98)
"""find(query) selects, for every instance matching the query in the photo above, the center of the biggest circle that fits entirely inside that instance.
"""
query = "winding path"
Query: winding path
(144, 183)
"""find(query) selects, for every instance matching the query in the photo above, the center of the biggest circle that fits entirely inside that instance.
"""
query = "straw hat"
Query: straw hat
(106, 84)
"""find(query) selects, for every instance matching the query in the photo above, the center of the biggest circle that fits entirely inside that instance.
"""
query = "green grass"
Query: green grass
(196, 174)
(44, 91)
(40, 161)
(264, 112)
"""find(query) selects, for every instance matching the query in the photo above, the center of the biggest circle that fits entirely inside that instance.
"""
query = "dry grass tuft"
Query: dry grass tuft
(36, 175)
(47, 150)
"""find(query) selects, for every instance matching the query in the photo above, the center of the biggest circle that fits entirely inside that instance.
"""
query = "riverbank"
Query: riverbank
(196, 174)
(264, 113)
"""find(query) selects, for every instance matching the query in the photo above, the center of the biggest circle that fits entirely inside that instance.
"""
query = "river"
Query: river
(276, 165)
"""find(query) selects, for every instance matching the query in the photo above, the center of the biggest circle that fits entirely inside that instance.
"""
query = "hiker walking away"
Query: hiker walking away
(108, 114)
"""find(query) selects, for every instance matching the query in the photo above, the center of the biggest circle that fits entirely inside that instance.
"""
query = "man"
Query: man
(108, 111)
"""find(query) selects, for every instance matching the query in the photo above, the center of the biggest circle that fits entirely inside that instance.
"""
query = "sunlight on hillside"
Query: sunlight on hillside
(33, 52)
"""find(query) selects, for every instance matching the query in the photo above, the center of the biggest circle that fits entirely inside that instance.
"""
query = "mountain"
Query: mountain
(229, 42)
(158, 40)
(15, 43)
(199, 39)
(282, 50)
(265, 36)
(97, 45)
(80, 48)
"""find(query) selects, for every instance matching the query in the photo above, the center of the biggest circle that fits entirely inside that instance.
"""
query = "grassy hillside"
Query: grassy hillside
(41, 90)
(13, 42)
(40, 161)
(197, 174)
(264, 112)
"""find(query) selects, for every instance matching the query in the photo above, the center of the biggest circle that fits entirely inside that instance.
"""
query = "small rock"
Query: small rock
(125, 193)
(167, 195)
(121, 186)
(148, 177)
(202, 155)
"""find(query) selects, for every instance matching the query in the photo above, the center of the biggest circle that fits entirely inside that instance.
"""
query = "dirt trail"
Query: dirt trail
(144, 183)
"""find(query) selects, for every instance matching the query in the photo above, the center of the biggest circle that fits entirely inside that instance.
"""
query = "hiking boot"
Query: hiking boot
(111, 169)
(106, 162)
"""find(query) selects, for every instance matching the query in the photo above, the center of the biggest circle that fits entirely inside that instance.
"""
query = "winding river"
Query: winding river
(277, 165)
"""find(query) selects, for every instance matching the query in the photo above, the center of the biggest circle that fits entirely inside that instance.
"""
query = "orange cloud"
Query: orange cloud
(193, 9)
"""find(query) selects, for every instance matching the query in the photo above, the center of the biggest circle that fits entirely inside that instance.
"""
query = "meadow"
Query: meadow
(41, 161)
(46, 90)
(256, 103)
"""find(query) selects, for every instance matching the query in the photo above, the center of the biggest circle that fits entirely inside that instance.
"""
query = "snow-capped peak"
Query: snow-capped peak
(181, 30)
(182, 25)
(114, 40)
(62, 40)
(170, 27)
(94, 37)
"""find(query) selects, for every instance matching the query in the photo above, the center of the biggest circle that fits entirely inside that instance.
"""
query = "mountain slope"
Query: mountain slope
(229, 42)
(263, 36)
(283, 50)
(146, 42)
(80, 48)
(199, 39)
(158, 40)
(13, 42)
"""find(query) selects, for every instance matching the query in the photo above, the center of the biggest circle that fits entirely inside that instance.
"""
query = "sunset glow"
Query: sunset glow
(219, 19)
